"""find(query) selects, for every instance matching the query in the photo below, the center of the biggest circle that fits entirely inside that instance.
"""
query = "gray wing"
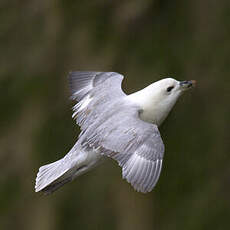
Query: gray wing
(111, 124)
(93, 91)
(136, 145)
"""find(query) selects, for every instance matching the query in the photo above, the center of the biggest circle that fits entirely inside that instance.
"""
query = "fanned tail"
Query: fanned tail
(52, 176)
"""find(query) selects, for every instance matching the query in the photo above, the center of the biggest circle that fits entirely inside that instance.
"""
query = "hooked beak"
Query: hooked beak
(187, 84)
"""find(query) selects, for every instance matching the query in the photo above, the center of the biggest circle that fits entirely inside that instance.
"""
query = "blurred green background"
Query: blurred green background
(41, 41)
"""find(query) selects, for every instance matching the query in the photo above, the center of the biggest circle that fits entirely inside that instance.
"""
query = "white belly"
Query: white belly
(81, 160)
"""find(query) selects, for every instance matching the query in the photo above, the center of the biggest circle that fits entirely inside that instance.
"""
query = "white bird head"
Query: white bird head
(158, 98)
(167, 91)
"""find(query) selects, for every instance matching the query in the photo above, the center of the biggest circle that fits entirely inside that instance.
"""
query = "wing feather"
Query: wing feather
(93, 91)
(136, 145)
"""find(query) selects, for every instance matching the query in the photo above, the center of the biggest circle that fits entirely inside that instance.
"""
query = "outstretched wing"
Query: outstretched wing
(136, 145)
(93, 91)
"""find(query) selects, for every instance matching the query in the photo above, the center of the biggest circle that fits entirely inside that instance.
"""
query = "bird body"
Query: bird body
(115, 125)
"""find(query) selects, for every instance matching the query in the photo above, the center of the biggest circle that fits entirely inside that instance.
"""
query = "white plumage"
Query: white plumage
(113, 124)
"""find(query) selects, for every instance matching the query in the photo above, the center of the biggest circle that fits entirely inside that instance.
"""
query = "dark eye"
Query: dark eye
(170, 88)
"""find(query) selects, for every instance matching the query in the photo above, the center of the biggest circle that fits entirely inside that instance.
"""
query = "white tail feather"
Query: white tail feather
(50, 173)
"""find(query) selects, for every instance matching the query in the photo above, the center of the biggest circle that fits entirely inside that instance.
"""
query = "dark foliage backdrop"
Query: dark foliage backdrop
(41, 41)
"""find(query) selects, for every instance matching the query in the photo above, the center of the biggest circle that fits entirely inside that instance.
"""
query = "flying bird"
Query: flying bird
(115, 125)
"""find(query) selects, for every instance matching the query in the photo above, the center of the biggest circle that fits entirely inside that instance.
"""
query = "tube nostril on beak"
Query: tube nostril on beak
(187, 84)
(183, 83)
